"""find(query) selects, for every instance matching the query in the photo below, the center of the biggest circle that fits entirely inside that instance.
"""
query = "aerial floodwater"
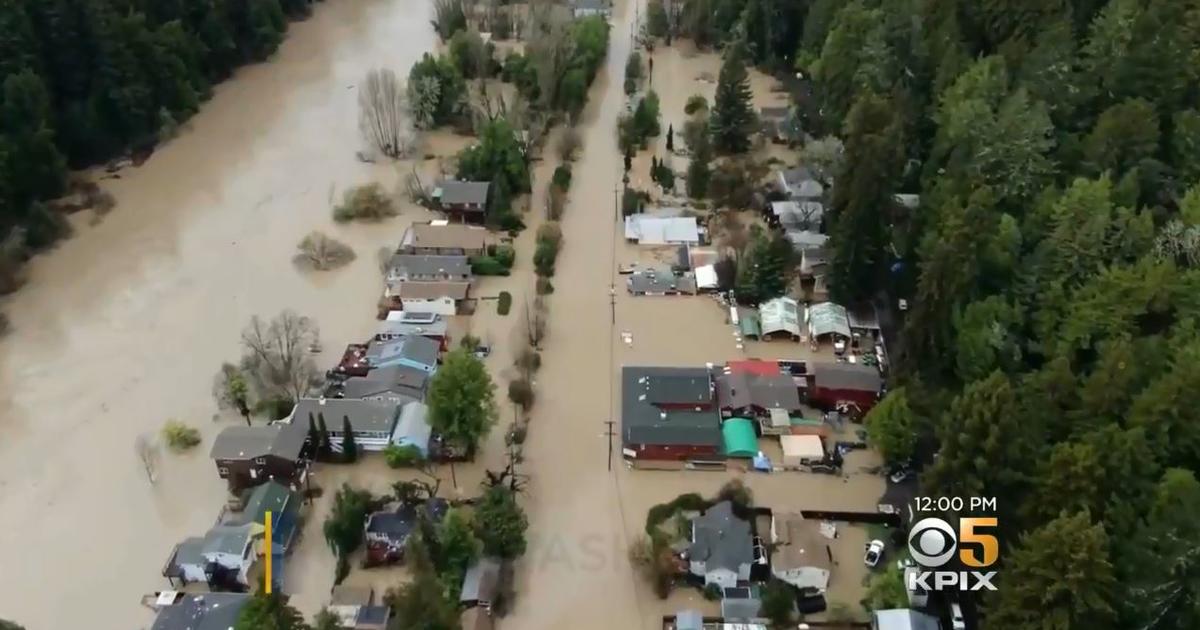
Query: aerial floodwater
(124, 325)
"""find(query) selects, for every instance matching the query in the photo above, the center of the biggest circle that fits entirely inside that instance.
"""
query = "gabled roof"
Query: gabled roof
(660, 280)
(643, 419)
(846, 376)
(229, 539)
(740, 390)
(415, 348)
(828, 318)
(482, 581)
(438, 327)
(431, 290)
(781, 314)
(444, 236)
(799, 545)
(364, 415)
(268, 496)
(413, 426)
(420, 265)
(652, 230)
(806, 239)
(207, 611)
(280, 439)
(396, 525)
(456, 192)
(799, 183)
(720, 539)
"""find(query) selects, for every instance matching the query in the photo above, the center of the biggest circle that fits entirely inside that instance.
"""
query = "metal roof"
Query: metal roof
(720, 539)
(457, 192)
(207, 611)
(739, 437)
(645, 390)
(846, 376)
(428, 265)
(413, 427)
(828, 318)
(741, 389)
(780, 315)
(481, 581)
(414, 348)
(280, 439)
(364, 415)
(652, 230)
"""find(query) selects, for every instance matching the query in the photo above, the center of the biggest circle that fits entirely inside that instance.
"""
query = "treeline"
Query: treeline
(82, 81)
(1048, 355)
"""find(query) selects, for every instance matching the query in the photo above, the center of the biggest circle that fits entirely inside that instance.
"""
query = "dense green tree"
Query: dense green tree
(38, 170)
(327, 620)
(855, 60)
(1161, 566)
(778, 600)
(349, 444)
(986, 338)
(343, 528)
(885, 590)
(699, 172)
(1058, 577)
(461, 399)
(500, 523)
(422, 603)
(458, 546)
(762, 269)
(269, 612)
(1124, 135)
(732, 120)
(436, 90)
(892, 427)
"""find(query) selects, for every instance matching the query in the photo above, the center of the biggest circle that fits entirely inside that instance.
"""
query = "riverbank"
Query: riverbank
(124, 325)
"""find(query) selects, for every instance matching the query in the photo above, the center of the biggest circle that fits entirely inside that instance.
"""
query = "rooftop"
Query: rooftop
(482, 581)
(420, 350)
(364, 415)
(653, 230)
(397, 524)
(454, 192)
(799, 544)
(720, 539)
(800, 183)
(207, 611)
(846, 376)
(781, 314)
(438, 327)
(444, 236)
(431, 290)
(280, 439)
(229, 539)
(775, 391)
(660, 280)
(828, 318)
(654, 408)
(429, 265)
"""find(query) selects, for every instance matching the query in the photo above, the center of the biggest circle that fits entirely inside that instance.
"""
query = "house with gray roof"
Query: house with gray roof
(481, 583)
(740, 603)
(429, 325)
(826, 320)
(428, 268)
(200, 611)
(780, 318)
(443, 238)
(466, 200)
(397, 383)
(750, 395)
(413, 351)
(248, 456)
(223, 557)
(669, 415)
(722, 547)
(371, 421)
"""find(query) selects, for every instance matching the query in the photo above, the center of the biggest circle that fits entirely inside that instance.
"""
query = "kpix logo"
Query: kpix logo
(933, 543)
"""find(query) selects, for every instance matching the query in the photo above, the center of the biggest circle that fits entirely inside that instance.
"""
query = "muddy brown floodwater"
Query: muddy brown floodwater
(124, 325)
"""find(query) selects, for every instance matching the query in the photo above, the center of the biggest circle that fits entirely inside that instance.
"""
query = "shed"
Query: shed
(651, 230)
(481, 582)
(706, 278)
(749, 324)
(739, 438)
(413, 428)
(799, 449)
(780, 317)
(827, 318)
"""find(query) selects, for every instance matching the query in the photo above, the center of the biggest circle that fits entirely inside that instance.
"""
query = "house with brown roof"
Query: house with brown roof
(800, 555)
(441, 298)
(248, 456)
(441, 238)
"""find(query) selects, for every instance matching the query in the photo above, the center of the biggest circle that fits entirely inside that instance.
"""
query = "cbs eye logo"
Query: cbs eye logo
(932, 542)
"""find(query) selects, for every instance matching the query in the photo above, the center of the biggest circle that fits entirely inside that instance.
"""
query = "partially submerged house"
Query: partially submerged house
(403, 323)
(800, 555)
(851, 385)
(284, 506)
(780, 319)
(396, 383)
(740, 603)
(798, 215)
(357, 609)
(804, 240)
(441, 298)
(466, 201)
(722, 547)
(441, 238)
(660, 281)
(428, 268)
(175, 610)
(412, 429)
(751, 395)
(371, 421)
(223, 558)
(827, 322)
(801, 449)
(780, 124)
(248, 456)
(411, 351)
(387, 531)
(649, 229)
(482, 582)
(669, 415)
(800, 184)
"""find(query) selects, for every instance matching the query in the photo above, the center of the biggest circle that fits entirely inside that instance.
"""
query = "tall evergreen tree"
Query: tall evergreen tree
(732, 120)
(349, 444)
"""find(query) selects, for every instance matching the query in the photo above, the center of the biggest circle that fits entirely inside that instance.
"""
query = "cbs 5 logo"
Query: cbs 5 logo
(932, 542)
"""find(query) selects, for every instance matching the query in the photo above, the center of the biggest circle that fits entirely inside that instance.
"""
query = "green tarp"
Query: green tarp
(740, 440)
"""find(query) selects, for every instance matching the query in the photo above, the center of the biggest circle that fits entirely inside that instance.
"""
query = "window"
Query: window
(261, 461)
(223, 471)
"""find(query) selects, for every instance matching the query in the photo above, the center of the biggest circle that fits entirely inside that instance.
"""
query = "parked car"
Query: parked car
(874, 553)
(899, 475)
(956, 617)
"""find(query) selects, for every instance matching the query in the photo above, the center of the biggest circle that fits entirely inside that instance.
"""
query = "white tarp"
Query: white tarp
(706, 277)
(798, 449)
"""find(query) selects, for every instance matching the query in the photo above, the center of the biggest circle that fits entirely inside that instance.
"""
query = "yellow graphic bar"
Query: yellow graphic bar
(267, 553)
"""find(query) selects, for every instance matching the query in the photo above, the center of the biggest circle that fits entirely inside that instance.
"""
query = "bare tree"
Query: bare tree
(550, 47)
(383, 114)
(231, 390)
(535, 321)
(321, 252)
(147, 453)
(276, 356)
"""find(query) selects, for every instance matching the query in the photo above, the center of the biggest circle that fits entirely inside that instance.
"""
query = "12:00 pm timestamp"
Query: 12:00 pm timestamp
(955, 504)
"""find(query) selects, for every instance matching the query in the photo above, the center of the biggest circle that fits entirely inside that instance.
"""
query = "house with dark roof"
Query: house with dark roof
(669, 415)
(371, 421)
(387, 531)
(440, 238)
(412, 351)
(464, 200)
(248, 456)
(199, 611)
(722, 547)
(749, 395)
(428, 268)
(660, 281)
(482, 582)
(854, 386)
(223, 558)
(398, 383)
(284, 506)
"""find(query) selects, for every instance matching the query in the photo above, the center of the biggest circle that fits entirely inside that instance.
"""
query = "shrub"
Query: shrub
(520, 392)
(686, 502)
(321, 252)
(562, 177)
(694, 104)
(368, 203)
(402, 456)
(544, 286)
(550, 232)
(556, 203)
(632, 201)
(633, 67)
(737, 493)
(504, 254)
(569, 144)
(528, 360)
(712, 592)
(179, 436)
(504, 305)
(544, 256)
(469, 342)
(487, 266)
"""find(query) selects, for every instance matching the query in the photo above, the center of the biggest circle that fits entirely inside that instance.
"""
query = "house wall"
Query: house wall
(193, 573)
(364, 441)
(442, 306)
(247, 473)
(444, 251)
(679, 452)
(407, 363)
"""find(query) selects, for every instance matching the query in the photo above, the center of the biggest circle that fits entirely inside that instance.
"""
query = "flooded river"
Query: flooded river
(125, 324)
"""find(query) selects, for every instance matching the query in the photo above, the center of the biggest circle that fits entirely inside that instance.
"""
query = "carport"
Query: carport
(739, 438)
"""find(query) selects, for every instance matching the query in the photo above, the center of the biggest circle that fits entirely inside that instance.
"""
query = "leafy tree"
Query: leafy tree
(886, 590)
(1161, 566)
(232, 391)
(461, 400)
(670, 138)
(343, 528)
(500, 523)
(646, 117)
(986, 339)
(269, 612)
(436, 91)
(1185, 144)
(349, 445)
(699, 173)
(9, 625)
(762, 272)
(1125, 134)
(496, 158)
(422, 603)
(1059, 576)
(25, 118)
(778, 602)
(892, 427)
(327, 620)
(733, 116)
(458, 545)
(854, 60)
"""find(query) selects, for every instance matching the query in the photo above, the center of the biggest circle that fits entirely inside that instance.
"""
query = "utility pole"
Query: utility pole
(610, 435)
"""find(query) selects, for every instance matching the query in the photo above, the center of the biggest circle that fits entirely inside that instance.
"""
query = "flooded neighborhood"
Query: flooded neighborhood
(122, 327)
